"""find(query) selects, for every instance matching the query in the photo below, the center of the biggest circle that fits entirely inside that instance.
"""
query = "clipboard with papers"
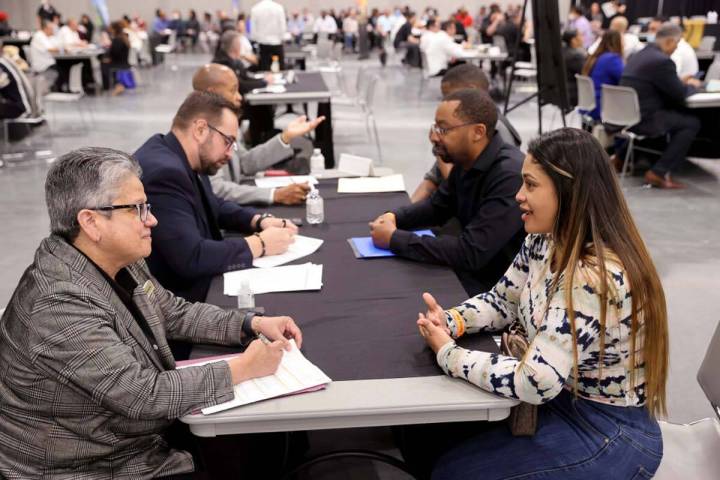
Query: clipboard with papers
(296, 374)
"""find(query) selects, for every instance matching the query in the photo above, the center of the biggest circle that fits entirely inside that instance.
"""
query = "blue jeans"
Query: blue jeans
(576, 439)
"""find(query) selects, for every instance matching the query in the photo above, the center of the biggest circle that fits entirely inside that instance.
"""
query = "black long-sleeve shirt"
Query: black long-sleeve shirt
(483, 200)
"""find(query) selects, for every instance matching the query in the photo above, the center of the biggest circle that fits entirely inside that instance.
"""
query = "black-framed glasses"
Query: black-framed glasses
(143, 209)
(230, 142)
(442, 131)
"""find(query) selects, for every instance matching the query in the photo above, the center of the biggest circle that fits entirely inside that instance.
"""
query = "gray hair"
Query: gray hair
(227, 40)
(88, 177)
(668, 30)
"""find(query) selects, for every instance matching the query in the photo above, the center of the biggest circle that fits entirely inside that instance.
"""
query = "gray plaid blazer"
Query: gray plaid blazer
(83, 392)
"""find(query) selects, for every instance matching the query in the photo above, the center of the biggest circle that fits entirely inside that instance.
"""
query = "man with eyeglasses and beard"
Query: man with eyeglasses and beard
(188, 245)
(480, 192)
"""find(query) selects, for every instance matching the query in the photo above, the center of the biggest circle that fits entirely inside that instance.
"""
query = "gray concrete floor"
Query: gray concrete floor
(680, 228)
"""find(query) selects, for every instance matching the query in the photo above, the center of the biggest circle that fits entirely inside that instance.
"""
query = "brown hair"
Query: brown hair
(594, 226)
(611, 42)
(206, 105)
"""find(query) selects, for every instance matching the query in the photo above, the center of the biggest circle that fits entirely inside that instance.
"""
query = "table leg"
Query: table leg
(324, 135)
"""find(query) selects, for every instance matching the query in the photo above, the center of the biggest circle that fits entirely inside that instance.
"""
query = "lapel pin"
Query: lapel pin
(148, 288)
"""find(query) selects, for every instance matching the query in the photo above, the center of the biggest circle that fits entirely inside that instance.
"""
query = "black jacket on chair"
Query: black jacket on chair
(652, 74)
(188, 248)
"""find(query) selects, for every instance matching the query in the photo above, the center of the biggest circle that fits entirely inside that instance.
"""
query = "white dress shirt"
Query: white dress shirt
(439, 49)
(40, 45)
(68, 38)
(350, 25)
(245, 49)
(685, 59)
(268, 23)
(325, 24)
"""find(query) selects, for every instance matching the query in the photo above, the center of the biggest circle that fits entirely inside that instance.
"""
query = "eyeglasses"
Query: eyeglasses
(230, 142)
(143, 209)
(442, 131)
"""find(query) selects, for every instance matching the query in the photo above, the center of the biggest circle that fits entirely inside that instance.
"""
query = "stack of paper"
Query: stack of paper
(391, 183)
(290, 278)
(363, 247)
(301, 247)
(296, 374)
(355, 166)
(277, 182)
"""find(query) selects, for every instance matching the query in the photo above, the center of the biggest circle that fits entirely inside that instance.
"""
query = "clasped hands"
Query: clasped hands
(432, 324)
(382, 229)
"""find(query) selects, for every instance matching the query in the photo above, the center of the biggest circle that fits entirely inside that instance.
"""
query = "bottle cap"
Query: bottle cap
(317, 151)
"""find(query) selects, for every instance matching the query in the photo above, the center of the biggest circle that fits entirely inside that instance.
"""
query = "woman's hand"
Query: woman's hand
(278, 328)
(435, 313)
(435, 336)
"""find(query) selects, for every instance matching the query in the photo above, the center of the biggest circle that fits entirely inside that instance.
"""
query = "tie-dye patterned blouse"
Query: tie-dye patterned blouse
(522, 296)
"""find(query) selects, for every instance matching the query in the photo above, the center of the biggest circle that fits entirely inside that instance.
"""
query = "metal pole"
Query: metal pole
(660, 7)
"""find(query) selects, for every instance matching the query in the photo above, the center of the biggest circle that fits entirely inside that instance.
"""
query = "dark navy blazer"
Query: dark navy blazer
(188, 248)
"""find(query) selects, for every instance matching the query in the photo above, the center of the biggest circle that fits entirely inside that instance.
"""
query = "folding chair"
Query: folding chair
(692, 450)
(77, 92)
(621, 107)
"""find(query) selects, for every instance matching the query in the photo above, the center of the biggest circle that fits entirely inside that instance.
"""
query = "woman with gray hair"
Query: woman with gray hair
(93, 384)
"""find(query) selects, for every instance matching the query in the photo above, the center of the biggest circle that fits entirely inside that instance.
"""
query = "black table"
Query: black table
(360, 329)
(366, 308)
(18, 42)
(309, 87)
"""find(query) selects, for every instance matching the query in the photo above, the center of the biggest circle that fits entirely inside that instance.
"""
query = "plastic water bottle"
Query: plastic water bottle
(275, 65)
(245, 297)
(317, 162)
(315, 207)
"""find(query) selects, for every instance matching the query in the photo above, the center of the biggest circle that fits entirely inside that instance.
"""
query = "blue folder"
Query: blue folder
(363, 246)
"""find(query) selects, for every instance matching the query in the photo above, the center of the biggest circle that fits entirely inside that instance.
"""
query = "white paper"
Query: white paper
(275, 182)
(702, 98)
(355, 166)
(301, 247)
(288, 278)
(712, 86)
(295, 373)
(390, 183)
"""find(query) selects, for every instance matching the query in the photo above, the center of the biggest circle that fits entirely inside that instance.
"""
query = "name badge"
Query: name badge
(148, 288)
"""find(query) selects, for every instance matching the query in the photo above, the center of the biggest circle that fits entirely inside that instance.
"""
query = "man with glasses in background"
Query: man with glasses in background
(479, 192)
(189, 247)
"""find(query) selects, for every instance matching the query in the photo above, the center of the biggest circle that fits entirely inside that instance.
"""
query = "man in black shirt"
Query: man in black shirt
(574, 55)
(480, 192)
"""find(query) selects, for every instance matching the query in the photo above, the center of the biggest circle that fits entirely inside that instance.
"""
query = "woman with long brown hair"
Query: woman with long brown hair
(605, 66)
(584, 294)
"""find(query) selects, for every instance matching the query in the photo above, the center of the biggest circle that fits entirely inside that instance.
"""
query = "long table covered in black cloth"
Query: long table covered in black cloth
(360, 329)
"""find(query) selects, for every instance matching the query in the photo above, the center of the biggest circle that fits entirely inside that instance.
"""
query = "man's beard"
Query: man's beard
(207, 166)
(441, 152)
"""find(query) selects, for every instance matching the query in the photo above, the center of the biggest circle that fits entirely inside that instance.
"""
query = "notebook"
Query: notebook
(363, 247)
